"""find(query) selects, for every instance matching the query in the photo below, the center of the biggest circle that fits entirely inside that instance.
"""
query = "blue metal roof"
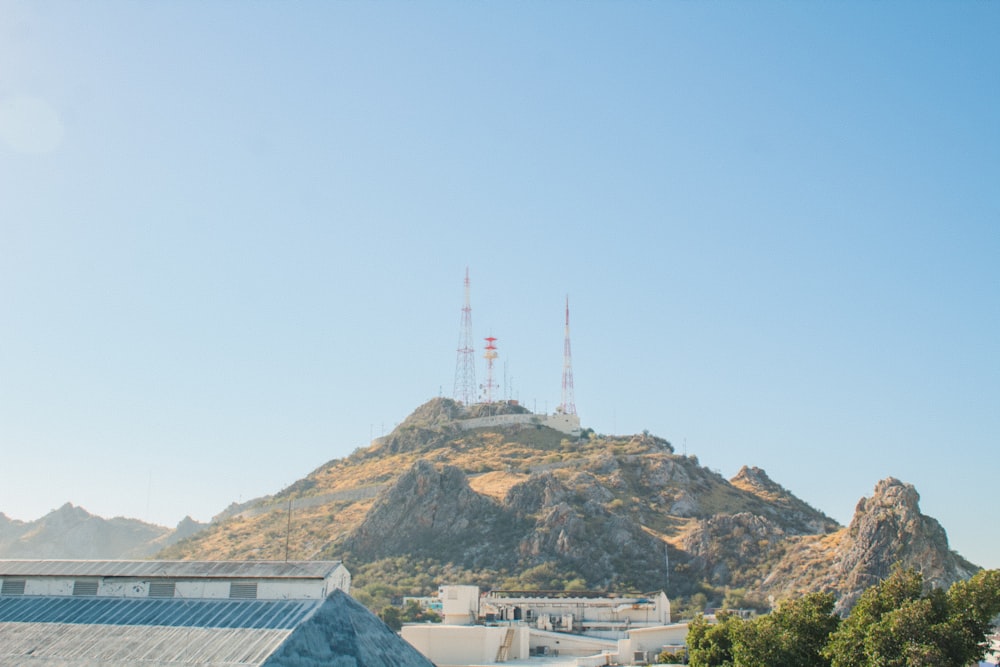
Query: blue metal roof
(223, 613)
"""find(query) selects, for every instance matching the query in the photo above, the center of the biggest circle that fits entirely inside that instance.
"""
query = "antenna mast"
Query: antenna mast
(465, 364)
(568, 406)
(490, 355)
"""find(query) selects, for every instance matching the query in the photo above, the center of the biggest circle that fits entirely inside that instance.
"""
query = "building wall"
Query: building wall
(593, 613)
(267, 589)
(653, 640)
(452, 645)
(568, 424)
(340, 578)
(459, 604)
(562, 644)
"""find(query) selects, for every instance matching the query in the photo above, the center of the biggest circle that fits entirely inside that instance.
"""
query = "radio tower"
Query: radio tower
(465, 365)
(490, 355)
(568, 406)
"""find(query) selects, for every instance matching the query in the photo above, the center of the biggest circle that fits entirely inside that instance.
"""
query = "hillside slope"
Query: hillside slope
(528, 507)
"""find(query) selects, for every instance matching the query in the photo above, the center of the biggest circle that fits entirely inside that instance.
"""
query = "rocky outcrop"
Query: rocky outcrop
(887, 531)
(722, 549)
(429, 513)
(796, 517)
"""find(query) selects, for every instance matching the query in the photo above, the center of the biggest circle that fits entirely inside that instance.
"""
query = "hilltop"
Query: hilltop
(526, 506)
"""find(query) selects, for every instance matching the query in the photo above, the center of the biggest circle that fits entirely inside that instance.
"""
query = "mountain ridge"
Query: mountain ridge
(71, 532)
(527, 506)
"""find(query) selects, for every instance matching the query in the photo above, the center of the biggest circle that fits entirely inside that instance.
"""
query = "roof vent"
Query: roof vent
(84, 587)
(12, 587)
(162, 589)
(240, 591)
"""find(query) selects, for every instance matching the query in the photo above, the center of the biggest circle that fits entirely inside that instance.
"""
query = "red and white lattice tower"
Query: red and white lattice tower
(568, 406)
(465, 364)
(490, 355)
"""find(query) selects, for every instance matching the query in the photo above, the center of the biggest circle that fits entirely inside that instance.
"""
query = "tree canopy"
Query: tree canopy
(896, 623)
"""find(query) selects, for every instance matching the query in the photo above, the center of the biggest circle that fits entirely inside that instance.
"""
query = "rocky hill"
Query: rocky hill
(73, 532)
(526, 506)
(887, 529)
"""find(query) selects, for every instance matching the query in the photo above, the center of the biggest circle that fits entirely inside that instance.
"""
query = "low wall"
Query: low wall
(568, 424)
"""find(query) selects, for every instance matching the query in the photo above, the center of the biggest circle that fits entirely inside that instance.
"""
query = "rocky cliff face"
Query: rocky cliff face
(887, 530)
(428, 512)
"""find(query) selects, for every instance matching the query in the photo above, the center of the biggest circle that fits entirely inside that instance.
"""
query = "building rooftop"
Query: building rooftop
(195, 624)
(254, 569)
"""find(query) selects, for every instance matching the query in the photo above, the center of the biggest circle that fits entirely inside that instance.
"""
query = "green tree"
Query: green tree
(974, 604)
(791, 636)
(711, 645)
(413, 613)
(391, 617)
(897, 624)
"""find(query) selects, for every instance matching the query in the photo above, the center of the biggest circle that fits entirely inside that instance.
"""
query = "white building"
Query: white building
(206, 580)
(502, 626)
(602, 616)
(164, 613)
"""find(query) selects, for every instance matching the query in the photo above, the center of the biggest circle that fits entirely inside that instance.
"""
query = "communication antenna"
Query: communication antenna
(568, 406)
(465, 364)
(490, 355)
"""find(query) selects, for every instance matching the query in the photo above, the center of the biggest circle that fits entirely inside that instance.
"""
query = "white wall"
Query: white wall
(573, 645)
(451, 645)
(339, 578)
(459, 604)
(568, 424)
(653, 639)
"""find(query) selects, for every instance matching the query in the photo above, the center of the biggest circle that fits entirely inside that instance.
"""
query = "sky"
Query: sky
(233, 237)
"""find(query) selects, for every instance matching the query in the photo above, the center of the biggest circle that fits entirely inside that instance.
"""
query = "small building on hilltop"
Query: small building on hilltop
(58, 613)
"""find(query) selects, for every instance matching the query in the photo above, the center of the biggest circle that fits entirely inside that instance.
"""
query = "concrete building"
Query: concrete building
(504, 626)
(595, 615)
(161, 613)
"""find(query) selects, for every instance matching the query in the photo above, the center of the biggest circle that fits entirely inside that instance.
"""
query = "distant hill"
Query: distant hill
(525, 506)
(73, 533)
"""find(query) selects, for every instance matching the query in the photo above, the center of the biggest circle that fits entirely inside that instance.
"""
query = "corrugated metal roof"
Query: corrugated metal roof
(48, 645)
(127, 631)
(335, 631)
(187, 569)
(174, 612)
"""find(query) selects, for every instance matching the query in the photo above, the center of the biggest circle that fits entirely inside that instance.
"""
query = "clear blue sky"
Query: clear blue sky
(233, 237)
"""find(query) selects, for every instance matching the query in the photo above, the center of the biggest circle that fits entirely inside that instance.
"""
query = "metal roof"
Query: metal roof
(173, 612)
(109, 631)
(55, 645)
(186, 569)
(129, 632)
